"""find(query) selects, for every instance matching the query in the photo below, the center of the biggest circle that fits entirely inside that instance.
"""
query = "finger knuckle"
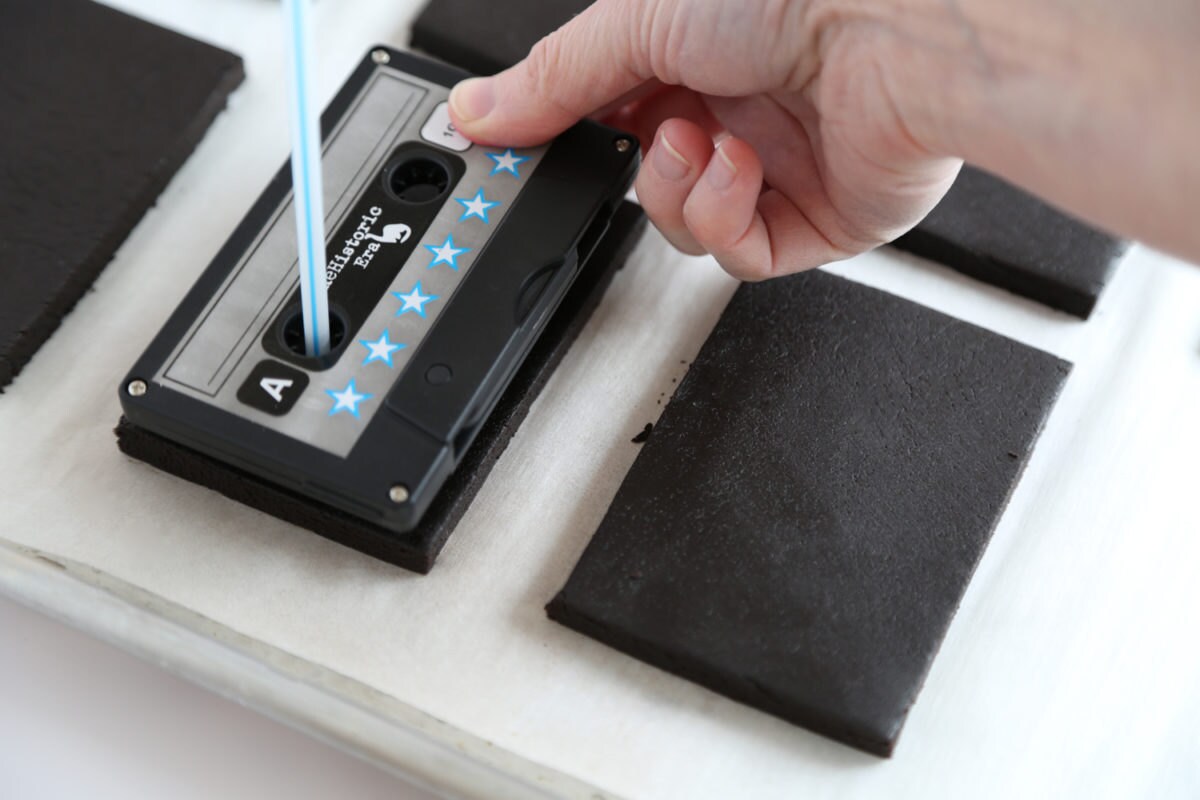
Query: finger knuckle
(544, 67)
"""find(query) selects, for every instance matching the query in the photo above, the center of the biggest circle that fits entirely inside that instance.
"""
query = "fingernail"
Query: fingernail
(669, 163)
(721, 172)
(473, 99)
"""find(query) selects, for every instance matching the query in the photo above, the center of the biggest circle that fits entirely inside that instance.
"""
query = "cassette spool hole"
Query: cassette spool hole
(417, 179)
(292, 332)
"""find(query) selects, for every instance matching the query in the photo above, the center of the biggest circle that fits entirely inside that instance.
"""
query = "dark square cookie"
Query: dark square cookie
(801, 525)
(100, 109)
(999, 234)
(487, 37)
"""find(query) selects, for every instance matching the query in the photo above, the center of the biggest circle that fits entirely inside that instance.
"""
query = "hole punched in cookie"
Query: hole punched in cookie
(290, 334)
(417, 178)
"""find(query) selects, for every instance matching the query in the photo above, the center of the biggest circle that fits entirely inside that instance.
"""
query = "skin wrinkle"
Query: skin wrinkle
(916, 40)
(855, 236)
(772, 258)
(906, 175)
(834, 248)
(828, 21)
(783, 19)
(677, 32)
(638, 60)
(853, 41)
(544, 57)
(906, 55)
(890, 95)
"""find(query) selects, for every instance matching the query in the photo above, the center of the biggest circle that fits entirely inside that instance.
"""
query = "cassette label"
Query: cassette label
(411, 220)
(265, 275)
(375, 241)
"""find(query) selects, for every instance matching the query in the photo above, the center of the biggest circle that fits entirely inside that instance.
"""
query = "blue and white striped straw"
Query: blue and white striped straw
(306, 181)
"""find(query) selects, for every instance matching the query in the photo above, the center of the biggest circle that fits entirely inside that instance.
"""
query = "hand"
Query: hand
(778, 143)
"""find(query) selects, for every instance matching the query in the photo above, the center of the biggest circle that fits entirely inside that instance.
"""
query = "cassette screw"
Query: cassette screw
(380, 57)
(398, 494)
(623, 145)
(136, 388)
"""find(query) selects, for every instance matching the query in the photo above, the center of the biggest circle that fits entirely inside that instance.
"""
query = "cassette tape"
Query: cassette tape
(445, 261)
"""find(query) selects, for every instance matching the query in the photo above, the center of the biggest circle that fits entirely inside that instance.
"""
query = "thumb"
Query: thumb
(587, 64)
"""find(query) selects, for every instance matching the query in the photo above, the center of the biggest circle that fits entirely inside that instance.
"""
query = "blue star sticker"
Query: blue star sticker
(413, 301)
(476, 207)
(380, 350)
(347, 400)
(508, 161)
(446, 253)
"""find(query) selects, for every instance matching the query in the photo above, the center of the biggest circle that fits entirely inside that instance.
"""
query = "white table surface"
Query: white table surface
(84, 719)
(1072, 668)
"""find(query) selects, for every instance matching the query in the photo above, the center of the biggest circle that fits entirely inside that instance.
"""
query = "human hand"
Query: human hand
(779, 136)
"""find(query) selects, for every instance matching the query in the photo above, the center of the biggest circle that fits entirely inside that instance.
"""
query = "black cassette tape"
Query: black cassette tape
(445, 261)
